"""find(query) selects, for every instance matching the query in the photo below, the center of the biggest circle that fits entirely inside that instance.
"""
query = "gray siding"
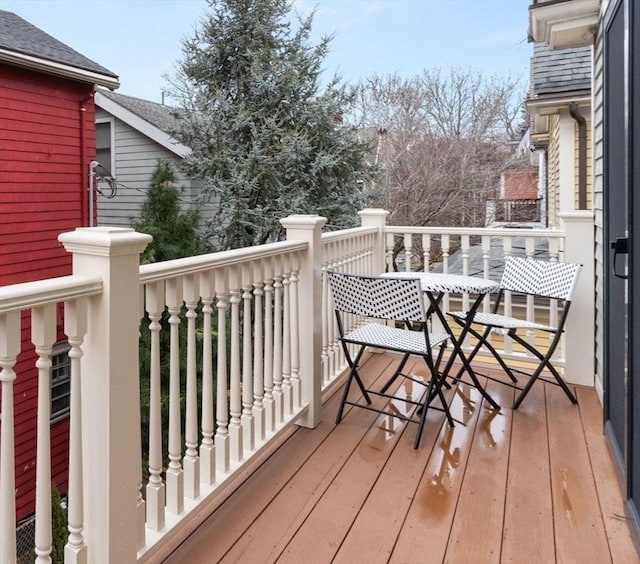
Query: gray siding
(598, 189)
(136, 158)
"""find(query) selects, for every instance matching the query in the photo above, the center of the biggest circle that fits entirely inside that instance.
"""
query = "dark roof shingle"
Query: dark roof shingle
(159, 115)
(20, 36)
(554, 71)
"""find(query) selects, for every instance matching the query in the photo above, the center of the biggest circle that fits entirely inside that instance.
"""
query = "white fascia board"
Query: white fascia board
(549, 106)
(58, 69)
(141, 125)
(564, 24)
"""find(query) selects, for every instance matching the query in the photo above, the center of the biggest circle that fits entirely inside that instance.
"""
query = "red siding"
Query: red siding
(47, 140)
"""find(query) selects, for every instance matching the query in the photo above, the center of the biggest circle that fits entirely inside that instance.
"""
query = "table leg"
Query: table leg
(434, 307)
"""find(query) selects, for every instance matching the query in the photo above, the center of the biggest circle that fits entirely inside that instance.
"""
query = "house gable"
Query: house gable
(23, 44)
(152, 120)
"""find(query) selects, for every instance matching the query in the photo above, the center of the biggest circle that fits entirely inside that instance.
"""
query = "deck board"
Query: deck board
(477, 528)
(579, 528)
(488, 490)
(609, 492)
(528, 498)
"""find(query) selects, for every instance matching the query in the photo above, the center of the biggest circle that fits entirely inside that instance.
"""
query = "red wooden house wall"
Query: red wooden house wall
(47, 140)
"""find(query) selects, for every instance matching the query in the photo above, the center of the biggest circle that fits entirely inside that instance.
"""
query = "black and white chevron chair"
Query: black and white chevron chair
(394, 299)
(541, 279)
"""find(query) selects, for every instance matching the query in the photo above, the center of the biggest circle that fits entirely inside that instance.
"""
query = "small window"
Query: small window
(103, 145)
(60, 382)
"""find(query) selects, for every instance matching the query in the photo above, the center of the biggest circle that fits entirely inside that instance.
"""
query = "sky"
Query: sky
(140, 40)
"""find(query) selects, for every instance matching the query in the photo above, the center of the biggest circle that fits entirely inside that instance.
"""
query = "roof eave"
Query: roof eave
(562, 24)
(141, 125)
(58, 69)
(552, 103)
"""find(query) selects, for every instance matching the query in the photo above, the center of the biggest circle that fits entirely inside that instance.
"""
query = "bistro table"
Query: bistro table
(435, 285)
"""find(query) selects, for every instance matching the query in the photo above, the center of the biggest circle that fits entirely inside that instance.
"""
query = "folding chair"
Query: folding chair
(538, 278)
(392, 299)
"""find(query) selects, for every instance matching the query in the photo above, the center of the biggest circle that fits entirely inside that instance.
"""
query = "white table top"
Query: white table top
(448, 283)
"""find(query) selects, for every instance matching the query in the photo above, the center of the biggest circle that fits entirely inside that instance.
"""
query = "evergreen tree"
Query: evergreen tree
(175, 233)
(266, 138)
(59, 531)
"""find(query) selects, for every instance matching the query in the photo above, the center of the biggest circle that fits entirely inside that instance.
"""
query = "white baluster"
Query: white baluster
(9, 349)
(222, 402)
(248, 430)
(508, 342)
(235, 400)
(486, 272)
(446, 248)
(327, 321)
(75, 327)
(207, 448)
(426, 252)
(286, 342)
(390, 239)
(408, 249)
(258, 353)
(531, 315)
(295, 347)
(190, 462)
(277, 347)
(464, 251)
(269, 407)
(43, 335)
(155, 490)
(175, 475)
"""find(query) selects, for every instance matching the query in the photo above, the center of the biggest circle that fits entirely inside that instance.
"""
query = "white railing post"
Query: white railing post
(373, 217)
(580, 331)
(309, 228)
(110, 390)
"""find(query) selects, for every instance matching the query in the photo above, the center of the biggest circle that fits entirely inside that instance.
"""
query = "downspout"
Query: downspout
(582, 155)
(84, 167)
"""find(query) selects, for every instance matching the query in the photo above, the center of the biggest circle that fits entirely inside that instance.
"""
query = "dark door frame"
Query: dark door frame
(626, 449)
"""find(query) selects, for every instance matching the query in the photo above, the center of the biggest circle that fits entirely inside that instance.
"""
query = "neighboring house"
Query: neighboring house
(47, 141)
(132, 136)
(560, 108)
(518, 204)
(610, 29)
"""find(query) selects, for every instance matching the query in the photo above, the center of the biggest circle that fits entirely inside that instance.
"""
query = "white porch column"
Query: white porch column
(375, 217)
(580, 327)
(110, 390)
(567, 162)
(309, 228)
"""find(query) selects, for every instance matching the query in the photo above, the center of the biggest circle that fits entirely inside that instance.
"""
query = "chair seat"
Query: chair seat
(383, 336)
(502, 321)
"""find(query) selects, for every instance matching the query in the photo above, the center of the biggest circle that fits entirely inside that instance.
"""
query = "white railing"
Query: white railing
(42, 299)
(244, 304)
(240, 344)
(480, 252)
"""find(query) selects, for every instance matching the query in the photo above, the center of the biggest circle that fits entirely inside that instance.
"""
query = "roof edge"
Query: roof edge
(142, 125)
(58, 69)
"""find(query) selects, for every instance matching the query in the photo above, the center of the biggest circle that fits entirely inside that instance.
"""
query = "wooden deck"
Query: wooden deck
(536, 485)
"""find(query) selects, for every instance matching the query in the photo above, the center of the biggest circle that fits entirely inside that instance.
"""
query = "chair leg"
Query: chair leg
(395, 374)
(545, 362)
(423, 415)
(353, 375)
(482, 340)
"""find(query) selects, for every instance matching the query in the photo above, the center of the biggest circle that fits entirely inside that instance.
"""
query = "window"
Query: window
(60, 382)
(104, 145)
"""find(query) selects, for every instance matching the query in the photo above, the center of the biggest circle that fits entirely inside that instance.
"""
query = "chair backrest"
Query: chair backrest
(375, 296)
(540, 277)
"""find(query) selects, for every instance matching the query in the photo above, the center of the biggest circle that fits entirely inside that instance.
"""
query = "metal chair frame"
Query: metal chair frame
(538, 278)
(393, 299)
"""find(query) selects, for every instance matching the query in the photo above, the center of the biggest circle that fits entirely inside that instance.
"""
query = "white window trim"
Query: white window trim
(112, 141)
